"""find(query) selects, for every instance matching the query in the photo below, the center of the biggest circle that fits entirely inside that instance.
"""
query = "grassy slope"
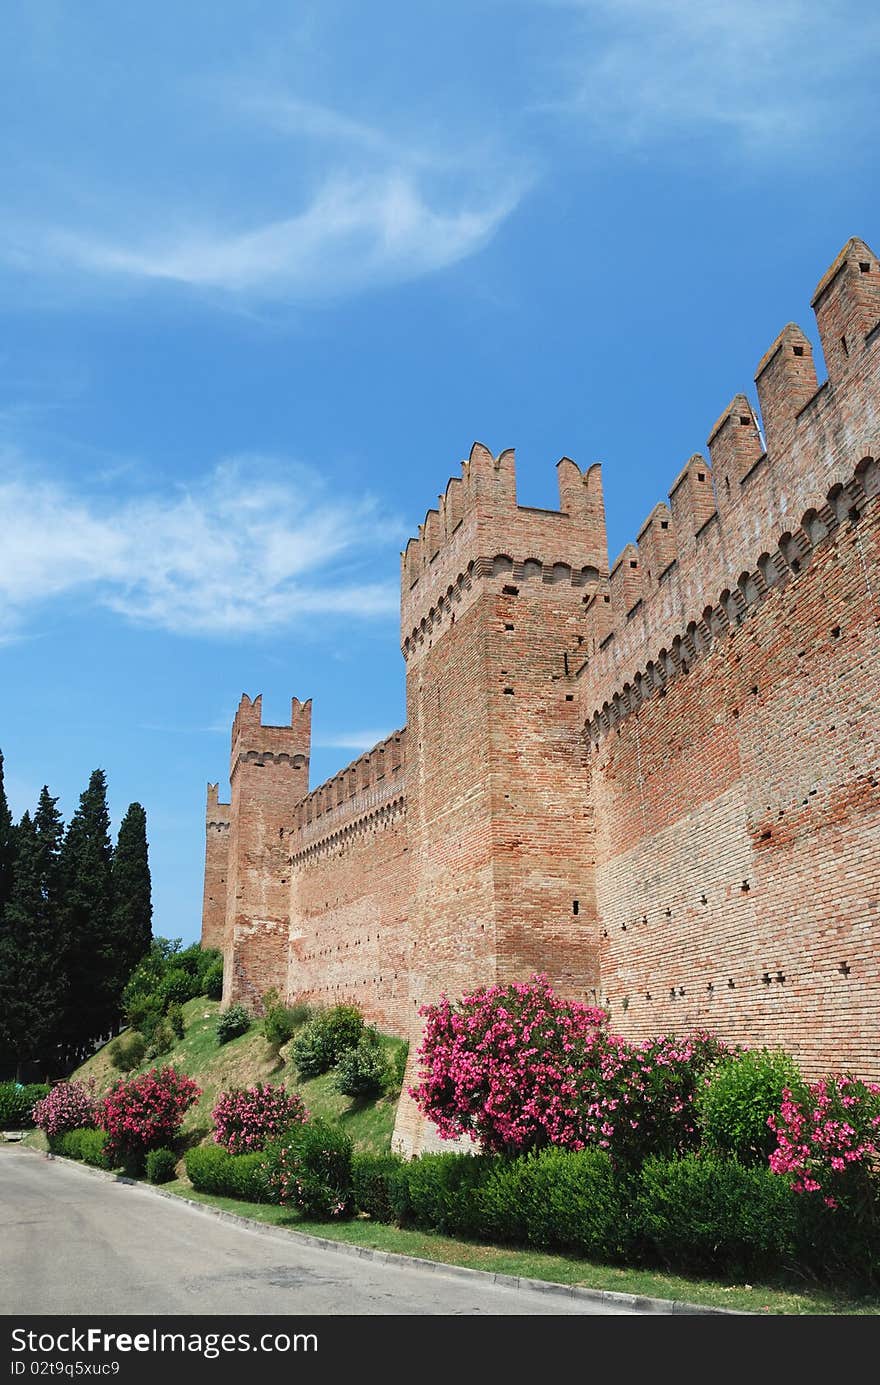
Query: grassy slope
(243, 1061)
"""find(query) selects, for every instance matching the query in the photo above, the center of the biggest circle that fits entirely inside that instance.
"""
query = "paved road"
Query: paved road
(75, 1244)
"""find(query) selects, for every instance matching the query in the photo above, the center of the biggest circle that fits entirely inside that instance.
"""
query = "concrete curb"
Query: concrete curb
(637, 1302)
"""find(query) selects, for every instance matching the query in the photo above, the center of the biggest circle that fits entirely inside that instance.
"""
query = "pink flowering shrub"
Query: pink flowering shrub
(516, 1068)
(828, 1140)
(502, 1066)
(640, 1099)
(145, 1113)
(68, 1106)
(247, 1119)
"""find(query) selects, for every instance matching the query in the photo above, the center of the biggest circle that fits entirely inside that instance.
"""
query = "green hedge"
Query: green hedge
(87, 1145)
(17, 1104)
(703, 1214)
(211, 1169)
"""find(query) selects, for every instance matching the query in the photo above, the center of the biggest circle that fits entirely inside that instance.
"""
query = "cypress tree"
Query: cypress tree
(132, 902)
(32, 981)
(7, 845)
(92, 968)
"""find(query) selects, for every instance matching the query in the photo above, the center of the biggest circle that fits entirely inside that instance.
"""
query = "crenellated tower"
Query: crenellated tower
(216, 869)
(500, 831)
(269, 776)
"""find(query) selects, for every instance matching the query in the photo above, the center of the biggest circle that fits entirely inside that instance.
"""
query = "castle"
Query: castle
(656, 781)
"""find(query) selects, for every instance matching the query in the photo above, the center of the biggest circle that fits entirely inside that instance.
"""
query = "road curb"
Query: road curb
(636, 1302)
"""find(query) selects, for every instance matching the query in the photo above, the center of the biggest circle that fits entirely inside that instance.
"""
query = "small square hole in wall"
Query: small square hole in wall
(569, 697)
(701, 475)
(664, 524)
(835, 632)
(606, 599)
(744, 419)
(798, 350)
(508, 692)
(864, 268)
(508, 627)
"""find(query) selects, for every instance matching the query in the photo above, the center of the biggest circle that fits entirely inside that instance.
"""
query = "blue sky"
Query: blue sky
(267, 271)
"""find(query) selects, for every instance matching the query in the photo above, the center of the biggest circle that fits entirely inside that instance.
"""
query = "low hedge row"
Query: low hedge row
(211, 1169)
(692, 1214)
(88, 1145)
(17, 1104)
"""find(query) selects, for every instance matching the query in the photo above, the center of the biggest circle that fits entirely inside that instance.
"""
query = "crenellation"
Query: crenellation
(656, 782)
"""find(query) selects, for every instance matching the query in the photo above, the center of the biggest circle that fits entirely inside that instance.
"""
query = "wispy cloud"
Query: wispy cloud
(354, 234)
(773, 73)
(350, 740)
(254, 546)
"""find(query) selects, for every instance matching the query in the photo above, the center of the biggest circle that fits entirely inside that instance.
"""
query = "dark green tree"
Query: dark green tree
(132, 902)
(93, 970)
(7, 844)
(32, 979)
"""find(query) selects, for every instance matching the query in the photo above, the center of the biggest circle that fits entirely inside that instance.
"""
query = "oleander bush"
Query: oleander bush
(247, 1119)
(145, 1113)
(310, 1169)
(67, 1106)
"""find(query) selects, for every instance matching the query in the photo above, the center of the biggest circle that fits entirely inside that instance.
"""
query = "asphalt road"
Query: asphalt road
(74, 1244)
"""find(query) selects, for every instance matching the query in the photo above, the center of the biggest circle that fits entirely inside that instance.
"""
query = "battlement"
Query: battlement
(760, 492)
(216, 813)
(254, 742)
(479, 525)
(369, 780)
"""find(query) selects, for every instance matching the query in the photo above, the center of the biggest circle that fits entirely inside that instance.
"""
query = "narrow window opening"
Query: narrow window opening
(701, 475)
(835, 632)
(575, 906)
(606, 599)
(844, 345)
(664, 524)
(727, 484)
(798, 350)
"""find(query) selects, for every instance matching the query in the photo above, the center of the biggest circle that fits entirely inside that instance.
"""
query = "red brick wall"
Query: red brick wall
(739, 822)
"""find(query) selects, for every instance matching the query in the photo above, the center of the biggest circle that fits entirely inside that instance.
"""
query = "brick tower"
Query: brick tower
(269, 775)
(500, 831)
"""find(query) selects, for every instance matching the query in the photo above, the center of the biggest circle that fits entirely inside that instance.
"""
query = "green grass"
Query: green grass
(560, 1269)
(245, 1060)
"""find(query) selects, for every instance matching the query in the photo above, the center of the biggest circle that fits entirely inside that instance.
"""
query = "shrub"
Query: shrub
(247, 1119)
(232, 1022)
(68, 1106)
(161, 1165)
(88, 1145)
(143, 1015)
(738, 1095)
(145, 1113)
(163, 1039)
(176, 1020)
(178, 986)
(344, 1025)
(828, 1143)
(363, 1071)
(399, 1055)
(128, 1051)
(558, 1200)
(375, 1178)
(214, 1170)
(442, 1191)
(212, 981)
(500, 1065)
(311, 1049)
(17, 1104)
(310, 1167)
(703, 1213)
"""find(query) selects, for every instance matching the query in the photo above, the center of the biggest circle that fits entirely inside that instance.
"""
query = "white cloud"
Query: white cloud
(774, 73)
(247, 549)
(354, 234)
(350, 740)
